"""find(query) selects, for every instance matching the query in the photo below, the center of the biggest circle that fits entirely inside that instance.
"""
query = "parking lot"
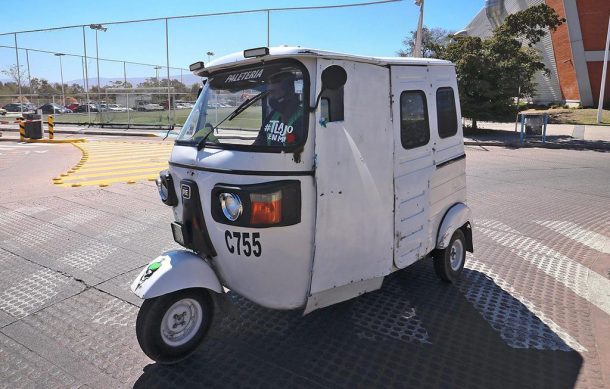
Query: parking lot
(532, 308)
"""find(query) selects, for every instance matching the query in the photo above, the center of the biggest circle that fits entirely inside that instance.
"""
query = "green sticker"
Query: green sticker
(154, 266)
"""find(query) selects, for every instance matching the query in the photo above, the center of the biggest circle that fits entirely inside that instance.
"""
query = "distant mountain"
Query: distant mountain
(188, 79)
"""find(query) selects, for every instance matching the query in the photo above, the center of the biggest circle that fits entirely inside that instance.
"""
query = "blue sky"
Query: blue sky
(373, 30)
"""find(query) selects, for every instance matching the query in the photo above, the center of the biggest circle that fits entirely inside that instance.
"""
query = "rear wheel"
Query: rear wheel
(449, 262)
(171, 327)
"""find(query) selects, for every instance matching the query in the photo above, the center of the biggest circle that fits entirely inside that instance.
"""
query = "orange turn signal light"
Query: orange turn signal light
(266, 208)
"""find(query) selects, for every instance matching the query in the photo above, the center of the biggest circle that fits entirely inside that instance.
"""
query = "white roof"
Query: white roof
(292, 52)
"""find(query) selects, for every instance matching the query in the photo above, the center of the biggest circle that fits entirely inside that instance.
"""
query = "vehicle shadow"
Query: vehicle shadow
(414, 332)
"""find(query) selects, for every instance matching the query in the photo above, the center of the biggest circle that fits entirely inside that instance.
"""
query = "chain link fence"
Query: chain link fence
(115, 107)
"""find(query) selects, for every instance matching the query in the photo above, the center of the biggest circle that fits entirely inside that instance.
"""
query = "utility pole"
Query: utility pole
(417, 52)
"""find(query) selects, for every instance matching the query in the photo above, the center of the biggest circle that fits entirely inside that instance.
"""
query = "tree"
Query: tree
(14, 75)
(492, 72)
(44, 89)
(432, 39)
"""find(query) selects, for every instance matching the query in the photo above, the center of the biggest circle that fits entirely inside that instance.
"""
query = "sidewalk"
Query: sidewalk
(565, 136)
(82, 130)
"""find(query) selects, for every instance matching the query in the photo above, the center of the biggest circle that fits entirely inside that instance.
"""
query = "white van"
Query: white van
(326, 173)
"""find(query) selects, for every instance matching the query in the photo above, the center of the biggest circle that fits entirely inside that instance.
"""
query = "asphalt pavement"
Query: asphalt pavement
(532, 309)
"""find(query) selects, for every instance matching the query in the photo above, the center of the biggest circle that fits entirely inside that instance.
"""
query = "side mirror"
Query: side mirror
(333, 77)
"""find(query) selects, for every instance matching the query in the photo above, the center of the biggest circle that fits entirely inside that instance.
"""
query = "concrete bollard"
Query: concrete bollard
(51, 124)
(21, 129)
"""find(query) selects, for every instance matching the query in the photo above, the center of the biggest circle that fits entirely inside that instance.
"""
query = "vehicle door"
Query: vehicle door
(448, 182)
(413, 162)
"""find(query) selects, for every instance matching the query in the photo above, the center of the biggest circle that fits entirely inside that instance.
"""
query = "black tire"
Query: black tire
(149, 324)
(443, 258)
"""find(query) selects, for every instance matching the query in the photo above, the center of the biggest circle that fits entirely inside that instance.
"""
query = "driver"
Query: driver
(283, 125)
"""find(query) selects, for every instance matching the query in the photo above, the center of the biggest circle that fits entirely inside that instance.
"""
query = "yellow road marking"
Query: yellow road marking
(155, 158)
(133, 150)
(104, 163)
(122, 173)
(104, 167)
(114, 180)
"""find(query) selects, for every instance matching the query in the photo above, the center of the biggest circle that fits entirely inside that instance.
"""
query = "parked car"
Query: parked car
(117, 108)
(83, 108)
(2, 111)
(72, 107)
(50, 108)
(142, 106)
(16, 107)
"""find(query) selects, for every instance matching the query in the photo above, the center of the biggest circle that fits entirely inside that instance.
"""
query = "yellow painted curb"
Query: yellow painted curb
(78, 140)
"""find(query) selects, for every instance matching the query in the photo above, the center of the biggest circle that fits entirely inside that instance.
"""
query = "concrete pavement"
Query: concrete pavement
(528, 311)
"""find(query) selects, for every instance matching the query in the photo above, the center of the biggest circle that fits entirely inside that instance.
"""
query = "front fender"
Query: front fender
(172, 271)
(456, 217)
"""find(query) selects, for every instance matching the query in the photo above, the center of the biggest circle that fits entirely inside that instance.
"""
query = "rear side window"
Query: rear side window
(446, 113)
(414, 128)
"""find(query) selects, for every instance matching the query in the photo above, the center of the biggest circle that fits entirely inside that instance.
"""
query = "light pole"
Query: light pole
(418, 39)
(97, 27)
(61, 72)
(210, 54)
(157, 75)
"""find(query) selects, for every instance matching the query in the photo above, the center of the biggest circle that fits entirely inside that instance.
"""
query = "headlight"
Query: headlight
(231, 206)
(163, 192)
(165, 185)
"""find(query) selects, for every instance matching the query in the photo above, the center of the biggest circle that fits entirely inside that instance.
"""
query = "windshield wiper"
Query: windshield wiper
(242, 107)
(201, 143)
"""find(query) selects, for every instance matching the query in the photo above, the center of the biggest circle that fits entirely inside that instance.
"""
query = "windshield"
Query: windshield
(256, 107)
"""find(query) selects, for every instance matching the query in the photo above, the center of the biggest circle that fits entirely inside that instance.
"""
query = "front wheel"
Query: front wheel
(171, 327)
(449, 262)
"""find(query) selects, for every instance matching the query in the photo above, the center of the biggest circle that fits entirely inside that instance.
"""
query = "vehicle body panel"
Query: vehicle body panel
(172, 271)
(354, 231)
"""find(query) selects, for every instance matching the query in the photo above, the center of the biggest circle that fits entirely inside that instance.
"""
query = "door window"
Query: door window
(414, 127)
(446, 113)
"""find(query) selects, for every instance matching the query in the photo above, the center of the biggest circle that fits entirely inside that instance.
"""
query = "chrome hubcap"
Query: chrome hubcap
(181, 322)
(456, 255)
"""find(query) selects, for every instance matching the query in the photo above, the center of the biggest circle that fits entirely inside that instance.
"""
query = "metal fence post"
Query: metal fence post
(128, 109)
(546, 120)
(522, 135)
(18, 76)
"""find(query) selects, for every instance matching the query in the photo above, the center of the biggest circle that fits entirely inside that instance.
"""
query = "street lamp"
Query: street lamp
(210, 54)
(157, 75)
(417, 49)
(97, 27)
(61, 72)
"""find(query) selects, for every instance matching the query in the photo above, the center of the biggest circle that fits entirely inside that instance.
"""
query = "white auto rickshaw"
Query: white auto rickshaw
(301, 179)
